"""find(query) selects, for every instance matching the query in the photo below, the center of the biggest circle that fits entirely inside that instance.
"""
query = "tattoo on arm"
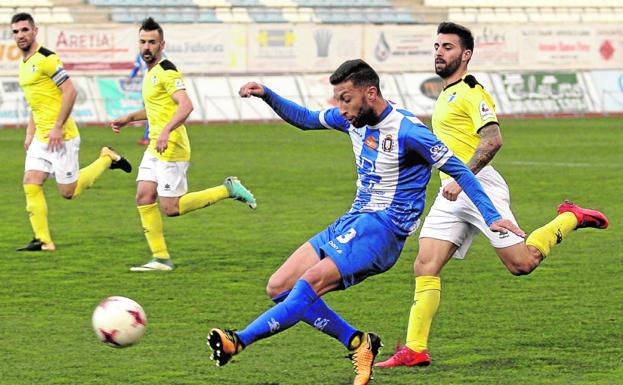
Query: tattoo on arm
(490, 143)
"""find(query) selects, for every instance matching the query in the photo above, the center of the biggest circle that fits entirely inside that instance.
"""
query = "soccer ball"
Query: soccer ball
(119, 322)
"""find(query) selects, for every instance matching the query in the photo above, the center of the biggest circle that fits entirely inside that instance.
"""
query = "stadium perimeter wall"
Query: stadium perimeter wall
(103, 98)
(530, 69)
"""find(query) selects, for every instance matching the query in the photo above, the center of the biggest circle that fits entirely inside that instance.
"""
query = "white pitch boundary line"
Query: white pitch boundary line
(558, 164)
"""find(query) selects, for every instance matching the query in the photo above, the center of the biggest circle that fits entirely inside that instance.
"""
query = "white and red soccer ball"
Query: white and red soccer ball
(119, 321)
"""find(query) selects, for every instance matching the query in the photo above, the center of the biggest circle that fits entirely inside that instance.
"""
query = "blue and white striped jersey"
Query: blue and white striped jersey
(394, 160)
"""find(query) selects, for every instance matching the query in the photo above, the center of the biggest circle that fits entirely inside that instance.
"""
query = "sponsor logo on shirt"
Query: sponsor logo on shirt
(179, 84)
(485, 111)
(371, 142)
(438, 151)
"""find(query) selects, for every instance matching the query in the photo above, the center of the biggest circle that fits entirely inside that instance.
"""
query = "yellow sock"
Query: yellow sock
(152, 226)
(90, 173)
(37, 210)
(544, 238)
(425, 304)
(199, 199)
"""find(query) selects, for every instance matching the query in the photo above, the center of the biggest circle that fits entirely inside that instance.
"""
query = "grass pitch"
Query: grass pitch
(563, 324)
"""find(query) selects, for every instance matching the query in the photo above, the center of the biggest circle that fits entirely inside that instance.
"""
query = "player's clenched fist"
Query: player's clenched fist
(251, 89)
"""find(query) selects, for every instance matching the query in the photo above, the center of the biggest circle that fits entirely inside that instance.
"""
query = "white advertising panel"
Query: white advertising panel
(608, 87)
(13, 107)
(301, 48)
(542, 92)
(88, 107)
(400, 48)
(214, 48)
(569, 47)
(94, 48)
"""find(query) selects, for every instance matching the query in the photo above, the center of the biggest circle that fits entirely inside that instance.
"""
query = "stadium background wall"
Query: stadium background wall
(572, 69)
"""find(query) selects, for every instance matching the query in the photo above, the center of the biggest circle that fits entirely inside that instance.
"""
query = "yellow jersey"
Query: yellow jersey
(159, 84)
(461, 110)
(39, 77)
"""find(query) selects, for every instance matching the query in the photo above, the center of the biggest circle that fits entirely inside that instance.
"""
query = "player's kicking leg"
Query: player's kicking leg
(238, 192)
(224, 344)
(363, 357)
(585, 217)
(570, 217)
(108, 159)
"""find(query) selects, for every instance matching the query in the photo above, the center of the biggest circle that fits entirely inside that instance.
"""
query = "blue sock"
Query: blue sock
(146, 133)
(325, 319)
(281, 316)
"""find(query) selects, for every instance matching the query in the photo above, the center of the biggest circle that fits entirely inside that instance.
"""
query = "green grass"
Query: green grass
(563, 324)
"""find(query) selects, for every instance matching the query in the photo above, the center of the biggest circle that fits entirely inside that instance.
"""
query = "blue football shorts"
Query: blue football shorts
(361, 246)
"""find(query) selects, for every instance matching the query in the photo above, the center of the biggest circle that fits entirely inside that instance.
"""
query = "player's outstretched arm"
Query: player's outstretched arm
(504, 225)
(419, 139)
(472, 187)
(118, 123)
(293, 113)
(251, 89)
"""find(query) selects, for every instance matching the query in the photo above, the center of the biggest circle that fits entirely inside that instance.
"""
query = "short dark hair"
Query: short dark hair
(357, 71)
(465, 35)
(150, 24)
(21, 17)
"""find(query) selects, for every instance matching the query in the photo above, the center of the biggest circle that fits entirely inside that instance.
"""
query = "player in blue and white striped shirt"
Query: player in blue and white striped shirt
(394, 153)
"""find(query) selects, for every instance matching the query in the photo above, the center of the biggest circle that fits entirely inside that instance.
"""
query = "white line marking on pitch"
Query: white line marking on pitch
(558, 164)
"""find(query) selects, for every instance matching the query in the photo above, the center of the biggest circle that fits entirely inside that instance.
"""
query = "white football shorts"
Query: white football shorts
(63, 164)
(460, 221)
(170, 176)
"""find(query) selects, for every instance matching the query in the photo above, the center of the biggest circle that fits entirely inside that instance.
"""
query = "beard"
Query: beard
(25, 48)
(366, 116)
(449, 69)
(148, 57)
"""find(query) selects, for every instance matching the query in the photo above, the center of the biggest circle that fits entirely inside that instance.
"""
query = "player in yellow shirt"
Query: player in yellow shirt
(464, 119)
(162, 173)
(52, 140)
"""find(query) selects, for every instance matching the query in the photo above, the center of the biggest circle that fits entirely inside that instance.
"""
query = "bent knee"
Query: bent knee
(67, 195)
(426, 266)
(524, 267)
(274, 287)
(170, 211)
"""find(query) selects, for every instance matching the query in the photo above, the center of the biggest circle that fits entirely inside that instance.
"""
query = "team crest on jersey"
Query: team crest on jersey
(33, 69)
(438, 151)
(451, 97)
(371, 142)
(388, 144)
(154, 80)
(486, 112)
